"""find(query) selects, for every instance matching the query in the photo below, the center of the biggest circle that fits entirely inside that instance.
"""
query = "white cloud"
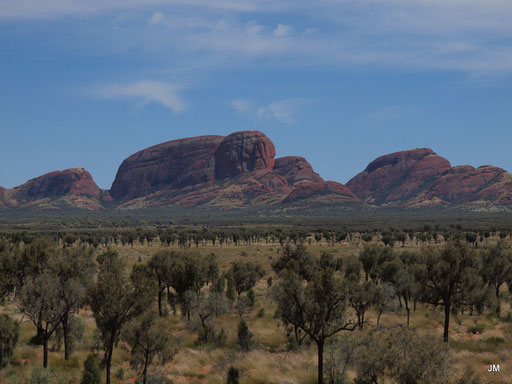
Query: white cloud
(460, 35)
(50, 9)
(241, 105)
(156, 18)
(282, 30)
(144, 92)
(309, 31)
(283, 110)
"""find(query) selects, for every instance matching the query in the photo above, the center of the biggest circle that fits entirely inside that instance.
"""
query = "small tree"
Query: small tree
(297, 259)
(73, 271)
(205, 308)
(91, 374)
(40, 303)
(401, 357)
(318, 307)
(233, 376)
(361, 297)
(244, 336)
(161, 264)
(245, 275)
(116, 299)
(448, 277)
(9, 334)
(148, 338)
(497, 268)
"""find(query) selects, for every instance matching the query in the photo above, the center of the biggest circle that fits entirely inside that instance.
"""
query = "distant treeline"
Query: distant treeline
(201, 237)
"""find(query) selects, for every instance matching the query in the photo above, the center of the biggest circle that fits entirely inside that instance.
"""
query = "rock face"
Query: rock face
(296, 170)
(235, 171)
(75, 181)
(72, 187)
(243, 152)
(337, 192)
(420, 178)
(241, 171)
(170, 165)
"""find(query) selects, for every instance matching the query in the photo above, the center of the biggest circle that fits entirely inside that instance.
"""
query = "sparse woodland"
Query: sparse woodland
(246, 305)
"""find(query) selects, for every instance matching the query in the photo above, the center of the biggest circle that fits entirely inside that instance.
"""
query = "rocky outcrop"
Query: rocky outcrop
(240, 171)
(295, 170)
(171, 165)
(243, 152)
(397, 176)
(420, 178)
(337, 192)
(75, 181)
(235, 171)
(73, 187)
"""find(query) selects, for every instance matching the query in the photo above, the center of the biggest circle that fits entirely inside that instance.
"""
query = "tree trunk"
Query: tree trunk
(447, 308)
(160, 302)
(145, 373)
(320, 345)
(108, 360)
(45, 352)
(65, 335)
(406, 302)
(498, 306)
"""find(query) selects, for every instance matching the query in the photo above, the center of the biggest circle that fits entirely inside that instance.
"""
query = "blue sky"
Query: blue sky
(86, 83)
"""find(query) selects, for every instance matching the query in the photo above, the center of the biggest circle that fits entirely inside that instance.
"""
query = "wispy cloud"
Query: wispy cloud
(241, 105)
(143, 92)
(457, 35)
(282, 30)
(156, 18)
(391, 112)
(282, 110)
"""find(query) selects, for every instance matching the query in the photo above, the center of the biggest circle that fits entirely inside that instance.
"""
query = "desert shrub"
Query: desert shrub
(91, 374)
(494, 340)
(339, 354)
(233, 376)
(244, 336)
(40, 375)
(72, 363)
(402, 356)
(9, 334)
(261, 313)
(120, 373)
(477, 328)
(252, 297)
(76, 335)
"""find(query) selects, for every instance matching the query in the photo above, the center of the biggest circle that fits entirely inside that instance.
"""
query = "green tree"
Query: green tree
(9, 334)
(91, 373)
(448, 277)
(297, 259)
(117, 298)
(148, 337)
(245, 275)
(233, 376)
(317, 307)
(244, 336)
(399, 357)
(40, 303)
(205, 307)
(497, 268)
(72, 270)
(161, 264)
(361, 297)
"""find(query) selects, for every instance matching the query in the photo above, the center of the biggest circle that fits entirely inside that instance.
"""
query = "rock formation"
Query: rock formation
(420, 178)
